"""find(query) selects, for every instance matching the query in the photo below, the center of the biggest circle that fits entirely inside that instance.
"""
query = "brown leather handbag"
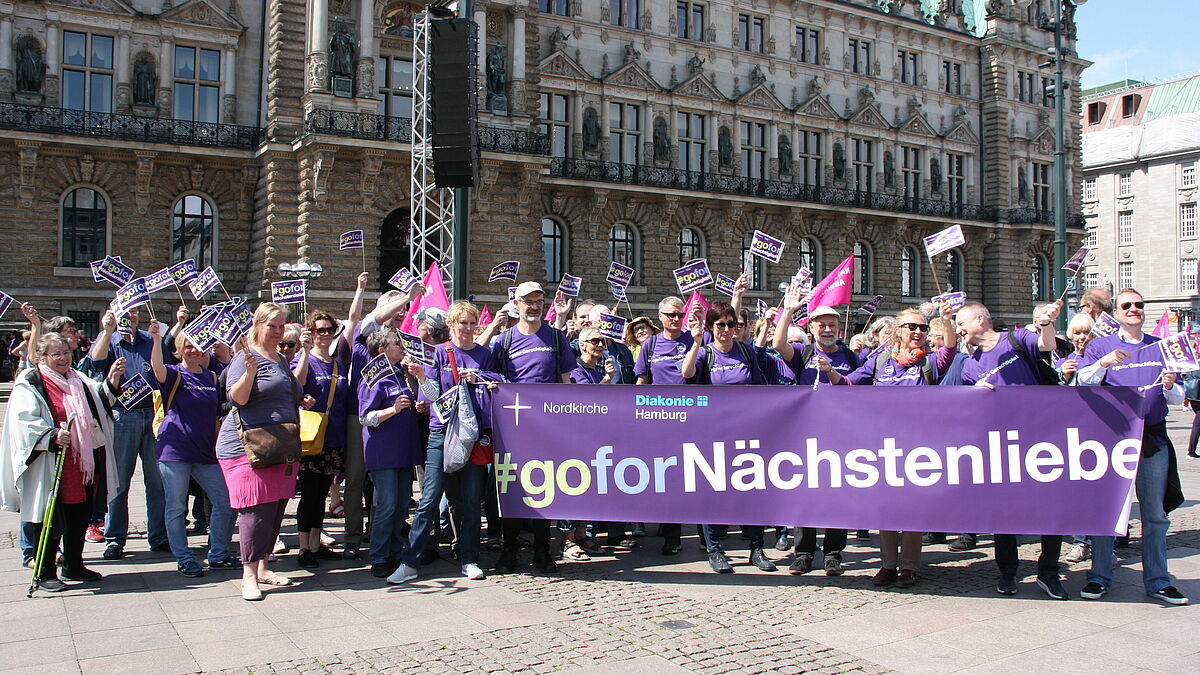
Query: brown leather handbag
(271, 444)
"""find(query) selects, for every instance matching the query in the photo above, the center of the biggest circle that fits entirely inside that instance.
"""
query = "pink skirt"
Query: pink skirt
(251, 487)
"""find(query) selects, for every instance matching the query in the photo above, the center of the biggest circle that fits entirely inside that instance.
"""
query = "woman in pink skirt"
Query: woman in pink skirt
(263, 391)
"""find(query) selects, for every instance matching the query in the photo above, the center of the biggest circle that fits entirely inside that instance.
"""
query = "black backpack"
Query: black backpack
(1041, 365)
(703, 374)
(506, 345)
(810, 349)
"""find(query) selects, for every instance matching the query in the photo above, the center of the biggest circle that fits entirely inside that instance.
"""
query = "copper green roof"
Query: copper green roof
(1173, 98)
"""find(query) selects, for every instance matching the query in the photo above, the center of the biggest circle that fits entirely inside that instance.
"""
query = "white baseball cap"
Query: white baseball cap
(527, 287)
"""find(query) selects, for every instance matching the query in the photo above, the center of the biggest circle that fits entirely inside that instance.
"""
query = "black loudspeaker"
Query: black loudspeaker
(453, 77)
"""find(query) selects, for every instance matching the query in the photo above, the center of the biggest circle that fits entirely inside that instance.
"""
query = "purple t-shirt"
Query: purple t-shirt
(584, 375)
(663, 364)
(1003, 365)
(274, 399)
(806, 373)
(396, 442)
(729, 367)
(316, 385)
(775, 369)
(531, 357)
(477, 359)
(1142, 368)
(189, 428)
(893, 374)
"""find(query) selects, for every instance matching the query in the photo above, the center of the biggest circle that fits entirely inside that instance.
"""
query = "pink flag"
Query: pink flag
(551, 314)
(833, 290)
(693, 300)
(485, 317)
(1162, 329)
(435, 296)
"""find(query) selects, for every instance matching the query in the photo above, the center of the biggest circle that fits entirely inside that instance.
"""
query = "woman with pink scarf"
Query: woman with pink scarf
(55, 408)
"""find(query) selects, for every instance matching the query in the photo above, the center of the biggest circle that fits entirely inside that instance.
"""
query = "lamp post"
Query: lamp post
(300, 270)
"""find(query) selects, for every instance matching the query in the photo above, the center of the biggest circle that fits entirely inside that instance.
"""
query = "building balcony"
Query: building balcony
(1042, 217)
(679, 179)
(513, 141)
(127, 127)
(367, 126)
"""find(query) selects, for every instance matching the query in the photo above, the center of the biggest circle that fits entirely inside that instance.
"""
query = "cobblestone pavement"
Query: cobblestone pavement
(630, 612)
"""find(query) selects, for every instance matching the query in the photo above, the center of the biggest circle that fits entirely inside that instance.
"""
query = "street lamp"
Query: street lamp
(300, 270)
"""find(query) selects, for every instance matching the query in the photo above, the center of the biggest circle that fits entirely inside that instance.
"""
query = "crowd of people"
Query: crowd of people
(201, 435)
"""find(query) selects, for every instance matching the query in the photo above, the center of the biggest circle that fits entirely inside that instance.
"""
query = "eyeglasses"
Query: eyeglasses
(598, 342)
(672, 315)
(539, 301)
(923, 327)
(287, 345)
(741, 324)
(724, 324)
(1139, 304)
(328, 330)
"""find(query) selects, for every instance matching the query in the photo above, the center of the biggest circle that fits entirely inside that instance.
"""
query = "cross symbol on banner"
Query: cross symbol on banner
(516, 407)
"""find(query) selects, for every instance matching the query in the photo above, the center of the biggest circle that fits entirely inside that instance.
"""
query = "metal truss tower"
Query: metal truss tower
(432, 207)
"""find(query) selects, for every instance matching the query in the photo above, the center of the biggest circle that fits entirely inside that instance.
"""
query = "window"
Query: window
(1095, 112)
(1092, 279)
(1187, 175)
(555, 111)
(553, 250)
(691, 245)
(84, 227)
(864, 165)
(691, 135)
(1089, 237)
(910, 171)
(808, 44)
(1187, 220)
(197, 84)
(810, 255)
(1041, 186)
(910, 272)
(1187, 275)
(394, 75)
(87, 77)
(862, 269)
(954, 271)
(1089, 190)
(750, 33)
(193, 231)
(953, 75)
(558, 7)
(1026, 87)
(809, 157)
(622, 246)
(906, 66)
(689, 17)
(956, 178)
(1129, 105)
(1125, 274)
(1125, 228)
(860, 56)
(1124, 184)
(754, 149)
(624, 131)
(627, 13)
(1039, 288)
(758, 267)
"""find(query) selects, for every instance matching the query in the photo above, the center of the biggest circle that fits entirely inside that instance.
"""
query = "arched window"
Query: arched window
(622, 246)
(84, 226)
(758, 267)
(862, 268)
(954, 271)
(691, 245)
(554, 249)
(810, 255)
(193, 231)
(1039, 284)
(394, 248)
(910, 272)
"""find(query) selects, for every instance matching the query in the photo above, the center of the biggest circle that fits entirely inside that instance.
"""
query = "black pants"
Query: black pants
(99, 493)
(512, 533)
(310, 511)
(70, 524)
(1195, 428)
(1006, 553)
(835, 541)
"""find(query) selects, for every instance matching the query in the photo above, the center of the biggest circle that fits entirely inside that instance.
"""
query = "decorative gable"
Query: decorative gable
(918, 125)
(632, 75)
(870, 116)
(107, 6)
(760, 96)
(962, 133)
(699, 86)
(558, 63)
(1044, 141)
(202, 13)
(817, 106)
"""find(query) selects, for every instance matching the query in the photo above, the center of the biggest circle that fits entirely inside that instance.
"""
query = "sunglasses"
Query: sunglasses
(672, 315)
(287, 345)
(1139, 304)
(923, 327)
(326, 331)
(724, 324)
(598, 342)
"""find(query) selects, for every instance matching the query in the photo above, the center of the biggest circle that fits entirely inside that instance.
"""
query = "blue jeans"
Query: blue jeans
(175, 477)
(1151, 484)
(30, 533)
(393, 487)
(132, 439)
(470, 480)
(712, 543)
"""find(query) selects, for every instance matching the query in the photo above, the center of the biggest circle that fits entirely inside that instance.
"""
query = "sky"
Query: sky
(1146, 40)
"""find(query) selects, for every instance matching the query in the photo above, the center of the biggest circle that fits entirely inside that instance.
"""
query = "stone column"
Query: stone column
(517, 104)
(318, 57)
(481, 52)
(166, 75)
(53, 64)
(229, 85)
(6, 59)
(123, 89)
(772, 151)
(735, 135)
(365, 68)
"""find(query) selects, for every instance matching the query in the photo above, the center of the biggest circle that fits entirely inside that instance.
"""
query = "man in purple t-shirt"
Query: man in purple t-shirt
(996, 361)
(531, 351)
(660, 356)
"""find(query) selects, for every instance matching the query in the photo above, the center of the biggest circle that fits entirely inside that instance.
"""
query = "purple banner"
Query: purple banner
(351, 239)
(619, 274)
(1076, 260)
(570, 285)
(132, 294)
(200, 331)
(113, 271)
(133, 391)
(403, 279)
(767, 247)
(1177, 354)
(377, 369)
(611, 326)
(184, 271)
(159, 280)
(944, 241)
(693, 275)
(5, 301)
(505, 271)
(415, 347)
(872, 306)
(203, 283)
(1106, 325)
(957, 299)
(724, 284)
(618, 292)
(1018, 460)
(288, 292)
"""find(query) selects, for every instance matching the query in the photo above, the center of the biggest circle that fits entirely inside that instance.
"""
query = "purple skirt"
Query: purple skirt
(251, 487)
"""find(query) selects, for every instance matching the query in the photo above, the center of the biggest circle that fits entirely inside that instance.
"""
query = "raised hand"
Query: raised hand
(109, 321)
(115, 371)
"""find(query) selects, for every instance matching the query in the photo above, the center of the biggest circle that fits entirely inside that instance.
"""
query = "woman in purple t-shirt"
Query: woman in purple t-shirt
(186, 447)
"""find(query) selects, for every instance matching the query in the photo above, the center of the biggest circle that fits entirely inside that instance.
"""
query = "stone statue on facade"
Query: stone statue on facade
(785, 154)
(724, 148)
(341, 53)
(1022, 187)
(145, 80)
(31, 66)
(631, 53)
(935, 175)
(694, 64)
(662, 141)
(889, 169)
(591, 130)
(839, 162)
(497, 70)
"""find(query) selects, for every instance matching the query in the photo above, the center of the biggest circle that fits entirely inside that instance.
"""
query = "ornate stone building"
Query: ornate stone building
(247, 134)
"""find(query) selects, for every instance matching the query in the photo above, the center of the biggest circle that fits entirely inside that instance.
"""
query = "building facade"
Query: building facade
(248, 134)
(1139, 194)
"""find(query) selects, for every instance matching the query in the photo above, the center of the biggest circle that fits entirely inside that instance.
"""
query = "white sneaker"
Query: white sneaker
(472, 572)
(1079, 553)
(402, 574)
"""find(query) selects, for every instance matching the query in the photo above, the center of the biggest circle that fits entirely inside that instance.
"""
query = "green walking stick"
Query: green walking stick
(48, 518)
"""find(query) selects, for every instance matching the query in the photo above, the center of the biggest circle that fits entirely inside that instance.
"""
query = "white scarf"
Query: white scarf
(76, 405)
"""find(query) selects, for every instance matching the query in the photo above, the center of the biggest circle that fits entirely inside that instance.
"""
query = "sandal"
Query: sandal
(337, 511)
(572, 551)
(589, 545)
(275, 580)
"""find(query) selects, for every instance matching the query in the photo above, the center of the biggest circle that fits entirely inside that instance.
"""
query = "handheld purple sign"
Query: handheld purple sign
(114, 271)
(570, 285)
(693, 275)
(290, 292)
(801, 315)
(243, 316)
(766, 247)
(957, 299)
(1177, 354)
(803, 276)
(724, 284)
(512, 293)
(376, 370)
(944, 241)
(225, 328)
(505, 271)
(444, 405)
(199, 332)
(415, 347)
(5, 301)
(1076, 260)
(133, 390)
(159, 280)
(761, 308)
(132, 294)
(611, 326)
(184, 271)
(619, 274)
(203, 283)
(872, 306)
(403, 279)
(1106, 325)
(351, 239)
(618, 292)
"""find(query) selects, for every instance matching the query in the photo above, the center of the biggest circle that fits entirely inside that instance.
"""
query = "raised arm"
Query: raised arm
(791, 303)
(156, 353)
(355, 314)
(688, 367)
